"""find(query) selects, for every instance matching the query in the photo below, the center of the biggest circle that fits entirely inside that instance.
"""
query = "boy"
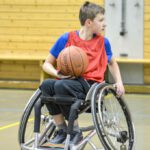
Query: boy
(99, 54)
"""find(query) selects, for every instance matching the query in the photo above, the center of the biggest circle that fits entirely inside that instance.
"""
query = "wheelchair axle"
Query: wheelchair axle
(123, 137)
(123, 147)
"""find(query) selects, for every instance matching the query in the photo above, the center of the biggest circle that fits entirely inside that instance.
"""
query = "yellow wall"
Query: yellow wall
(33, 25)
(147, 40)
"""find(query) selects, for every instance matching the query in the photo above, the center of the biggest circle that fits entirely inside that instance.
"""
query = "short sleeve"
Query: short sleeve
(108, 49)
(59, 45)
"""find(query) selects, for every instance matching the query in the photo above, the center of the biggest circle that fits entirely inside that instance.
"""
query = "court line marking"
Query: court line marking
(9, 126)
(13, 125)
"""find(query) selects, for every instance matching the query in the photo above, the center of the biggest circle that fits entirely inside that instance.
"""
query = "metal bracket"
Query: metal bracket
(137, 4)
(112, 4)
(123, 18)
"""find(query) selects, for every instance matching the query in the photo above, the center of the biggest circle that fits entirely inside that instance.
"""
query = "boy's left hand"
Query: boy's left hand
(119, 89)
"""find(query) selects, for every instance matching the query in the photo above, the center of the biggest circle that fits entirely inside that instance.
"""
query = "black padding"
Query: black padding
(67, 100)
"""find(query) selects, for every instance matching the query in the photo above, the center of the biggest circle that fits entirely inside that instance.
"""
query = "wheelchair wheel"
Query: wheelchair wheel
(112, 119)
(26, 135)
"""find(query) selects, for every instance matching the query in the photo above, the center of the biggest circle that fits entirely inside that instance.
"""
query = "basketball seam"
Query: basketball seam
(60, 62)
(82, 63)
(71, 63)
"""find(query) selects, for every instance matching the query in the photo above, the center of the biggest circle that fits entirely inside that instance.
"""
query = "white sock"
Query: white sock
(62, 126)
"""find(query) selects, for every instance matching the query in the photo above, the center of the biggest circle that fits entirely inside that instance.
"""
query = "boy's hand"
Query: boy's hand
(119, 89)
(61, 76)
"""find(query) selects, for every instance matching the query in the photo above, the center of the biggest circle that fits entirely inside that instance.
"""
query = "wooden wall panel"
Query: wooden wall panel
(147, 40)
(33, 26)
(19, 70)
(46, 2)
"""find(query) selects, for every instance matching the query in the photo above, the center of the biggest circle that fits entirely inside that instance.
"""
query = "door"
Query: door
(124, 20)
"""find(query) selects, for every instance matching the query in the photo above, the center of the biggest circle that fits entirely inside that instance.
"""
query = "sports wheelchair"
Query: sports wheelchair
(112, 122)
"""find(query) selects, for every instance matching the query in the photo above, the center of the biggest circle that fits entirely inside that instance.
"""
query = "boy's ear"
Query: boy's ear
(88, 22)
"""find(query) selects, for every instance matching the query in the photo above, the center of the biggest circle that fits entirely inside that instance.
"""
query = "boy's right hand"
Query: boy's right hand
(61, 76)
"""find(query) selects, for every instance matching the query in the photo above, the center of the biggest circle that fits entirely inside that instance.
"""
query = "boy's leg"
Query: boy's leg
(71, 88)
(47, 88)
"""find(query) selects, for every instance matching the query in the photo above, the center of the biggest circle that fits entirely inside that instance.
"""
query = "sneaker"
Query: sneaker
(75, 137)
(59, 137)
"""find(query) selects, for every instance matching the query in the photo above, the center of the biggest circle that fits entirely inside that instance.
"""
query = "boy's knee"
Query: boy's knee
(47, 87)
(60, 85)
(43, 85)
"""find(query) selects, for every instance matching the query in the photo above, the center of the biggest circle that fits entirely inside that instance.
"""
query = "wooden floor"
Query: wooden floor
(12, 103)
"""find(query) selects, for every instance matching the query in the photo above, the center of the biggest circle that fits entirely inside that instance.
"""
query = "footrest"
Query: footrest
(49, 148)
(52, 146)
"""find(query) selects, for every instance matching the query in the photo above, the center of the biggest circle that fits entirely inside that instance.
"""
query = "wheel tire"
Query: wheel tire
(100, 92)
(26, 114)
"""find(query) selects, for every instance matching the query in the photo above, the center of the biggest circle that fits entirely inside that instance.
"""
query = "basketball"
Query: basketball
(72, 61)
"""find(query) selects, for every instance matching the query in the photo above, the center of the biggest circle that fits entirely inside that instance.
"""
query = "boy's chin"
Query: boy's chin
(97, 33)
(102, 32)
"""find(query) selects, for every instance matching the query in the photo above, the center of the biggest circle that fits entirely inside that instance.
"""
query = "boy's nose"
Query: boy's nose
(104, 25)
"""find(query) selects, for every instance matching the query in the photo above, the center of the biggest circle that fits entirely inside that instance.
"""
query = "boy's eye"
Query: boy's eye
(101, 20)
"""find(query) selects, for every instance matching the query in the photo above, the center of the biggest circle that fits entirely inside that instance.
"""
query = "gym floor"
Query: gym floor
(12, 103)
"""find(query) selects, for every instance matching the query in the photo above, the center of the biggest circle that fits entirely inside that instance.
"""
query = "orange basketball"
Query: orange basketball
(72, 61)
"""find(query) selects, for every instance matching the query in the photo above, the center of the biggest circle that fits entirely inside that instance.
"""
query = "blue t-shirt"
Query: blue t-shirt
(61, 43)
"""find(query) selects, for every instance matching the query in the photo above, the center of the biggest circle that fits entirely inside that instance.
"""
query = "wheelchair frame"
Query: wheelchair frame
(104, 122)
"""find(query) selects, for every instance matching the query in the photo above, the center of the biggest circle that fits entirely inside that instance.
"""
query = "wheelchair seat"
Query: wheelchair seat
(112, 122)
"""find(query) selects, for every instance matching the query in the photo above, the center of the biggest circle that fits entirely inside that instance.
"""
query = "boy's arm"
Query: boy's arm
(49, 68)
(115, 71)
(49, 64)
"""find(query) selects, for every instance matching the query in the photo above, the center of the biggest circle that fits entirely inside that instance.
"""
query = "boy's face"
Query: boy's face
(98, 24)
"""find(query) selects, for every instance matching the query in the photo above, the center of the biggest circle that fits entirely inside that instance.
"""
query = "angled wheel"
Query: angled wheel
(26, 135)
(112, 119)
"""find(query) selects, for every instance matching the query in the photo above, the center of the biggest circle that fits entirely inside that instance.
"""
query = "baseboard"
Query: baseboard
(19, 84)
(130, 88)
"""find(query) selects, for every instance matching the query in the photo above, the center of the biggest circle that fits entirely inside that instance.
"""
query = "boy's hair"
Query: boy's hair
(89, 11)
